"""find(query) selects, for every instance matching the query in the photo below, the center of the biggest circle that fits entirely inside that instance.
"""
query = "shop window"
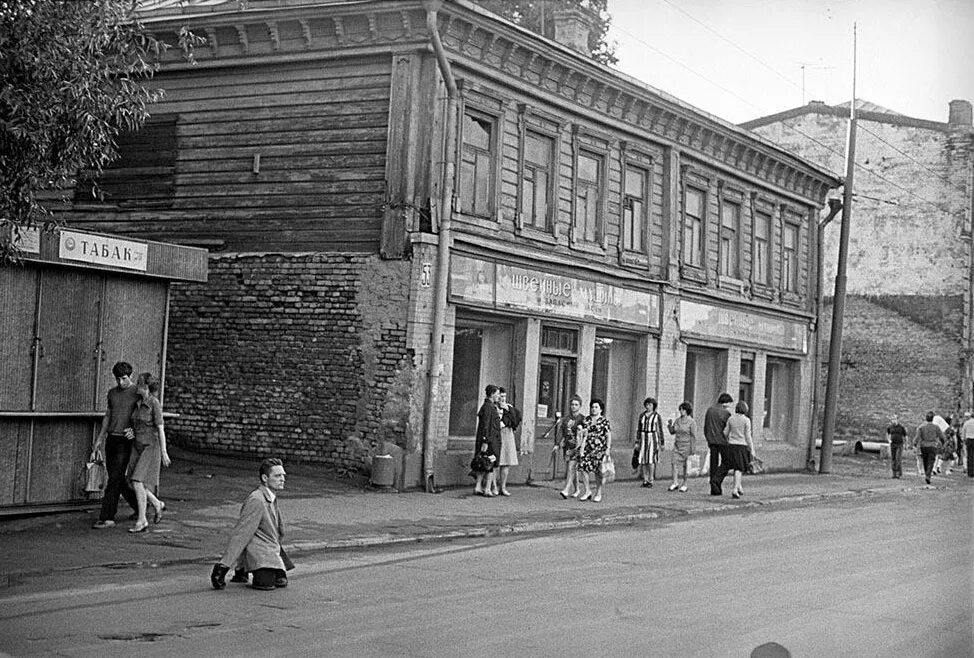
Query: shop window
(465, 393)
(730, 231)
(746, 390)
(588, 199)
(477, 160)
(634, 209)
(559, 340)
(537, 175)
(612, 381)
(762, 248)
(694, 205)
(789, 258)
(779, 400)
(143, 175)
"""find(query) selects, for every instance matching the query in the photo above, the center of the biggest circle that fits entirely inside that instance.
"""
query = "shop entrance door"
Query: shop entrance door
(556, 386)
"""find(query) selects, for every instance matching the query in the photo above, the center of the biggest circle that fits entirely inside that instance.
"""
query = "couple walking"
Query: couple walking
(133, 442)
(730, 442)
(586, 442)
(495, 448)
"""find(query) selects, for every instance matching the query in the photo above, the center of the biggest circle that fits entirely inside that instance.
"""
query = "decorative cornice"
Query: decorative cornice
(537, 66)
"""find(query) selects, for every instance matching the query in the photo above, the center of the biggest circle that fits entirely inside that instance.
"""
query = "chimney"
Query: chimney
(572, 27)
(960, 114)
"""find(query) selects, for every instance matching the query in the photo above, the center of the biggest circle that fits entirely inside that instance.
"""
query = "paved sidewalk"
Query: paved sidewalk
(204, 494)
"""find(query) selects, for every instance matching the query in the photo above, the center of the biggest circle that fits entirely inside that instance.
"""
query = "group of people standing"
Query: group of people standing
(495, 447)
(132, 442)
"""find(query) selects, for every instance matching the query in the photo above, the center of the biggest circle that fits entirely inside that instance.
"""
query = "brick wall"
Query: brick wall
(890, 363)
(289, 355)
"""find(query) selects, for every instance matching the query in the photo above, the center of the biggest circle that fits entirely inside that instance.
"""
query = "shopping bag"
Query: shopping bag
(95, 474)
(705, 464)
(693, 465)
(608, 470)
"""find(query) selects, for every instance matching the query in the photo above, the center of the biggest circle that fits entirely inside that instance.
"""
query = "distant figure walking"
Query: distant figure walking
(255, 543)
(488, 440)
(929, 439)
(967, 434)
(684, 431)
(713, 431)
(896, 434)
(649, 435)
(510, 421)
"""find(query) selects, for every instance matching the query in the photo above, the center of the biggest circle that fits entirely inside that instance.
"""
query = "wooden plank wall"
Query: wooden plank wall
(320, 130)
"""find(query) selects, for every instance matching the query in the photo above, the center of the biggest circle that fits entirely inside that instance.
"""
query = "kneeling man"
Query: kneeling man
(255, 544)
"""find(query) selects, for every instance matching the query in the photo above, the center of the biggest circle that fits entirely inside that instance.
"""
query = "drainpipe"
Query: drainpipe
(443, 247)
(835, 207)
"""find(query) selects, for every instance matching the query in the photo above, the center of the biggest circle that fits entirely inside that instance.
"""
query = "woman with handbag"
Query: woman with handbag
(148, 450)
(595, 449)
(740, 445)
(510, 421)
(649, 441)
(684, 431)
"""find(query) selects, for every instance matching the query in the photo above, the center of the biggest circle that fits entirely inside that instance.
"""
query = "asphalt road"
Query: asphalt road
(875, 577)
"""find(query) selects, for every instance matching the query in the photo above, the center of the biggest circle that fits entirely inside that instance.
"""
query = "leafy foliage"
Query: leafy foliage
(72, 76)
(537, 16)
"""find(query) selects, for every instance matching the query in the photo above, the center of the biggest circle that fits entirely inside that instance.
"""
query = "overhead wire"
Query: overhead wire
(829, 148)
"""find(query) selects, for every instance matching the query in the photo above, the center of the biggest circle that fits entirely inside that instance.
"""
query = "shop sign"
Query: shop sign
(506, 286)
(101, 250)
(736, 325)
(28, 240)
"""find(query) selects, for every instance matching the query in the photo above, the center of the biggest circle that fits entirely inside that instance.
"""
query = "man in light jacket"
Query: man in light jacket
(255, 543)
(929, 439)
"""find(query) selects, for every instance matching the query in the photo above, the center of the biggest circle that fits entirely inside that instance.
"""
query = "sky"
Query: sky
(743, 59)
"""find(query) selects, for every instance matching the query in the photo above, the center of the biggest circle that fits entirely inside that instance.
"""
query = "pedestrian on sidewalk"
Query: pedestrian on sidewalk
(148, 450)
(948, 456)
(896, 434)
(967, 434)
(510, 421)
(488, 440)
(568, 439)
(713, 430)
(929, 439)
(255, 543)
(115, 439)
(684, 431)
(595, 448)
(740, 445)
(649, 440)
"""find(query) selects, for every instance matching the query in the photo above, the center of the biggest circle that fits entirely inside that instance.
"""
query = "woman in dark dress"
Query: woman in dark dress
(488, 440)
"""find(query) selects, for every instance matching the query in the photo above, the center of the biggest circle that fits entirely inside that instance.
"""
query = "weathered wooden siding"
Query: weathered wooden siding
(320, 131)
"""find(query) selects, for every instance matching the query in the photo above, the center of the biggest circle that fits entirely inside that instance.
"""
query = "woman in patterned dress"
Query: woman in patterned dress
(684, 431)
(649, 436)
(596, 445)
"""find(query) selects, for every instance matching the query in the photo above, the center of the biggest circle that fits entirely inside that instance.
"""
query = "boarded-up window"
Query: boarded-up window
(143, 174)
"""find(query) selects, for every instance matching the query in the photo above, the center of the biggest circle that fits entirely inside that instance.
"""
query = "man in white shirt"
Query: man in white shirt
(967, 434)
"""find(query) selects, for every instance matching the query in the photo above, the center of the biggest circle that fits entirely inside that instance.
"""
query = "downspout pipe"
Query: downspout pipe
(435, 374)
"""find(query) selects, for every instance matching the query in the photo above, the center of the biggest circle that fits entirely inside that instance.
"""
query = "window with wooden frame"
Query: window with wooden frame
(730, 238)
(478, 160)
(694, 221)
(537, 180)
(143, 175)
(635, 208)
(589, 172)
(789, 257)
(761, 259)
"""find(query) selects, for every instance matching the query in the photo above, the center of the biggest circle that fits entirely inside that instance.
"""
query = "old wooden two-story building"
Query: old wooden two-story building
(404, 202)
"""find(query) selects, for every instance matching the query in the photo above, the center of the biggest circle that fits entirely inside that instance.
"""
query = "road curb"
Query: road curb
(500, 529)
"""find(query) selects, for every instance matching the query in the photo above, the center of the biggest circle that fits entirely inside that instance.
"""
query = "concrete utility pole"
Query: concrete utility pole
(838, 303)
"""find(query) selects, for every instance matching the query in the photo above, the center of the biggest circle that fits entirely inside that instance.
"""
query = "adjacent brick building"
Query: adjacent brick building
(910, 241)
(374, 264)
